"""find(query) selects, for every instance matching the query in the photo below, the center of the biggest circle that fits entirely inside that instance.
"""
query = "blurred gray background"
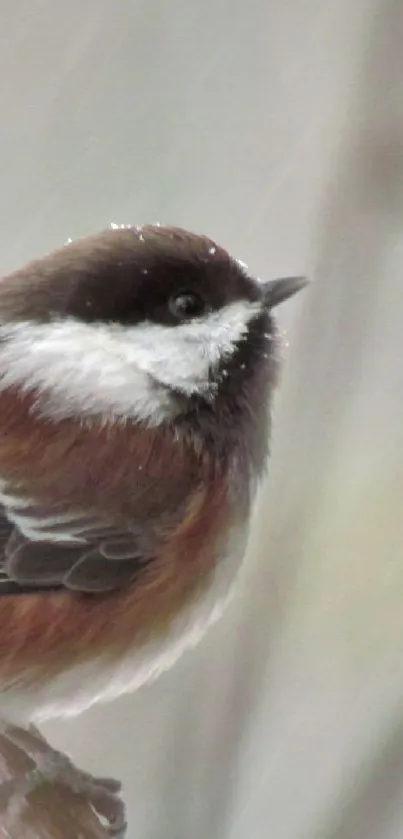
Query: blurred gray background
(276, 127)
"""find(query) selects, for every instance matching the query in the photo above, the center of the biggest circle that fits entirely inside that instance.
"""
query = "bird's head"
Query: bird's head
(143, 323)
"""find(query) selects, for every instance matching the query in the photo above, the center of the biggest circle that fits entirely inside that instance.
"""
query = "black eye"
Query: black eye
(185, 305)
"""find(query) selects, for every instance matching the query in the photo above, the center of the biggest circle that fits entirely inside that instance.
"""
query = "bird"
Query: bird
(137, 370)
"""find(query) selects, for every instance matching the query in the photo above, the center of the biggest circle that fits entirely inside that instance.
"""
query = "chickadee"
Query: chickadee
(136, 370)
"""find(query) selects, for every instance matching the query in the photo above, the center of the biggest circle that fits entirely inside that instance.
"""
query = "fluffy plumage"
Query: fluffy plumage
(136, 369)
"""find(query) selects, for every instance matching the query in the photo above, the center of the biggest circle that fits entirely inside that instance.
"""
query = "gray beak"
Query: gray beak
(276, 291)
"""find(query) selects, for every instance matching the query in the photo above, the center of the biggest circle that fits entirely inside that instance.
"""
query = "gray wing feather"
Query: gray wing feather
(47, 548)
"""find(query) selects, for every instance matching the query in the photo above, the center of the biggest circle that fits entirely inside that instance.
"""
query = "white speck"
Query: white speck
(267, 335)
(144, 270)
(212, 249)
(265, 355)
(114, 226)
(242, 264)
(243, 366)
(140, 467)
(141, 238)
(68, 242)
(224, 373)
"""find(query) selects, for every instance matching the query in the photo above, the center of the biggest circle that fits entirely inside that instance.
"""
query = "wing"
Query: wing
(47, 548)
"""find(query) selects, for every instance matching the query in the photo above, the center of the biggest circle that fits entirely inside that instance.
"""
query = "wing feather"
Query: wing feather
(47, 548)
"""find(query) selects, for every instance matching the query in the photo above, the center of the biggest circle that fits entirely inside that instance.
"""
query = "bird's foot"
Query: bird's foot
(53, 766)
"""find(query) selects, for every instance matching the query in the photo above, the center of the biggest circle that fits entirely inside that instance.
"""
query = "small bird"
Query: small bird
(136, 370)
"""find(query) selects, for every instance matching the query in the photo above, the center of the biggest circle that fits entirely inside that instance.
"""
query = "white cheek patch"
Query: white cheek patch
(183, 356)
(115, 371)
